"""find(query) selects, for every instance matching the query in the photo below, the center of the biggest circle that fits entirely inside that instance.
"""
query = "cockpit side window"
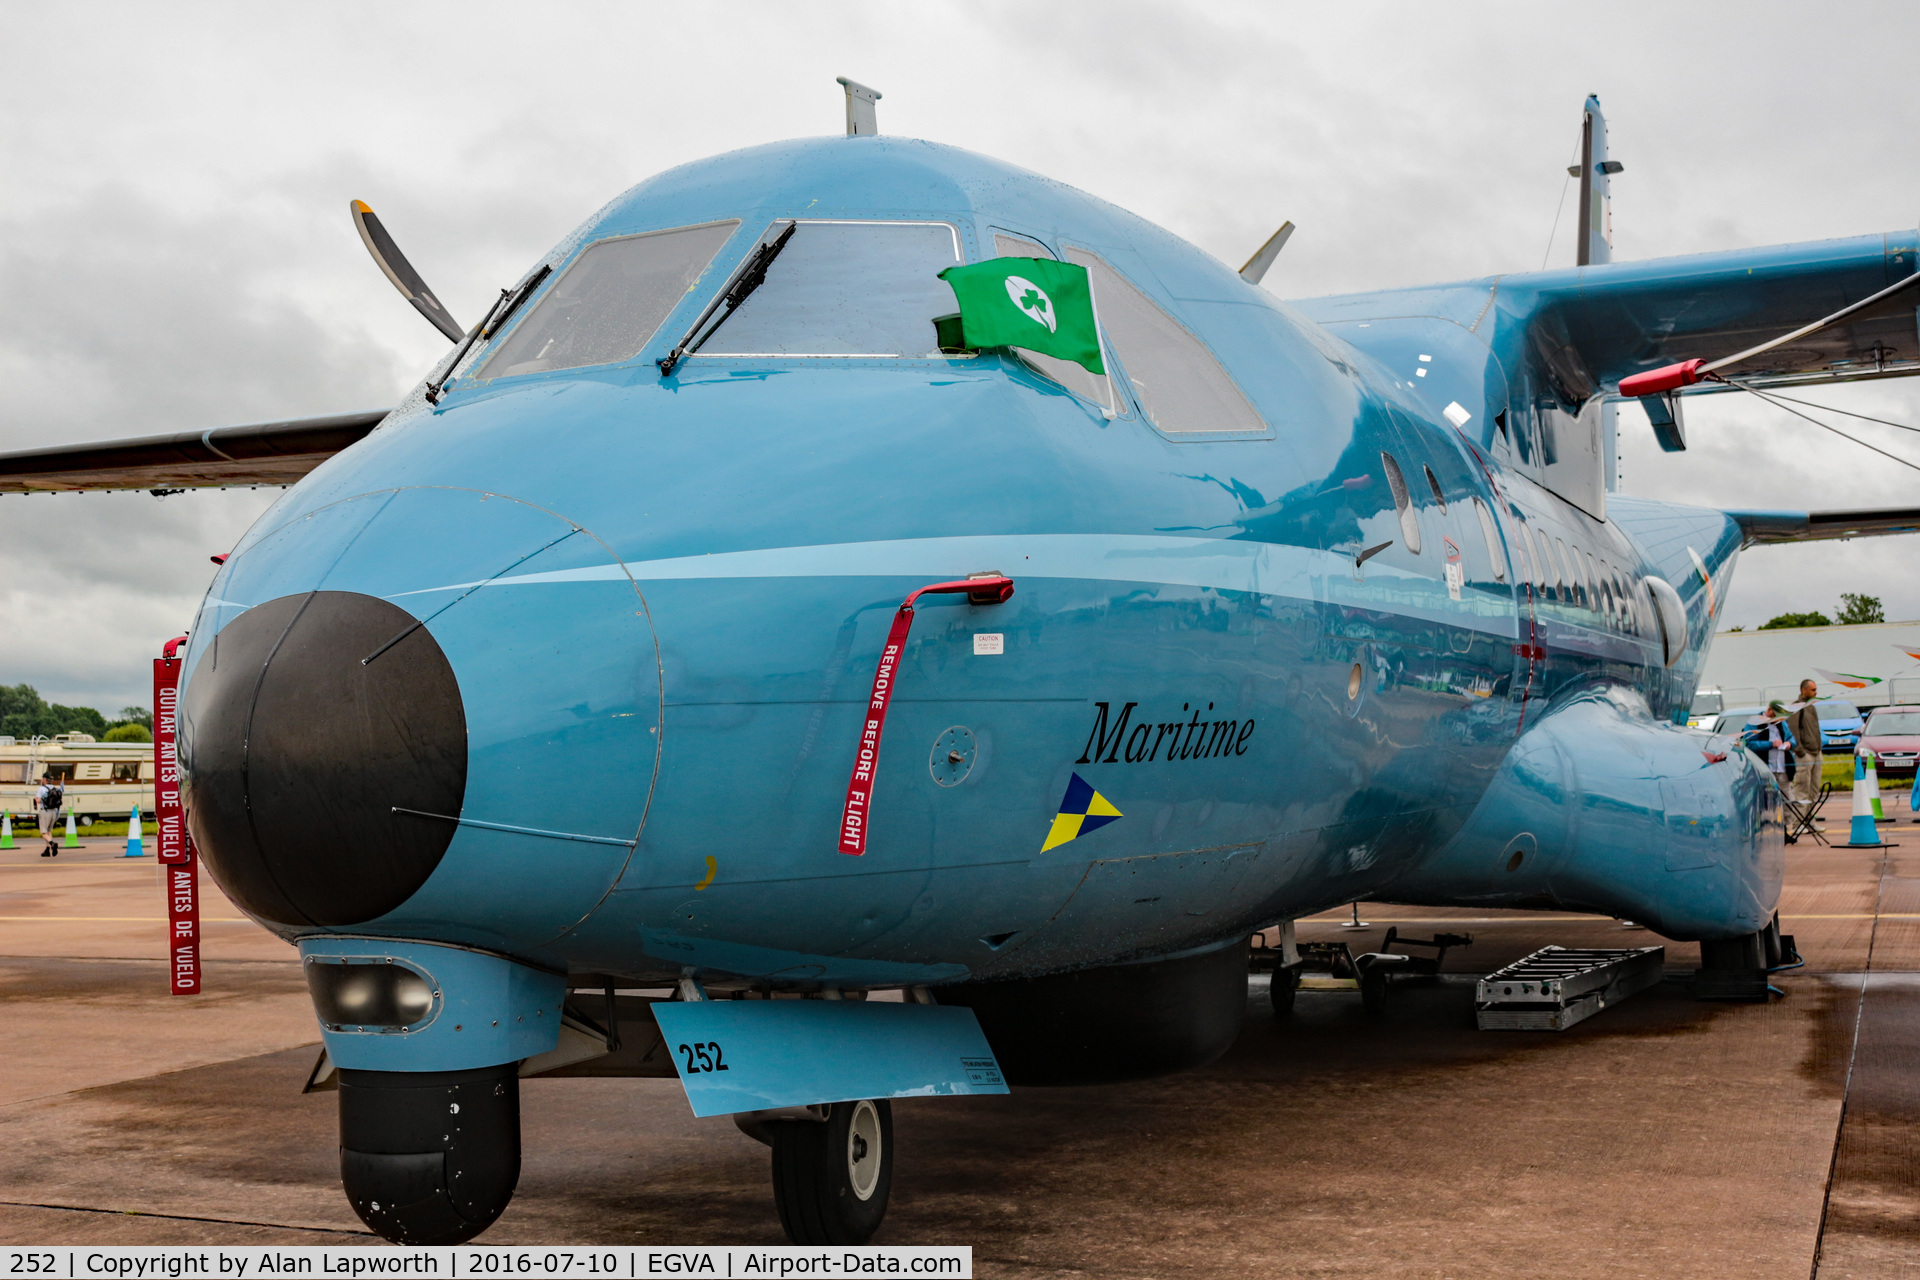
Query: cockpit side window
(609, 302)
(1089, 386)
(847, 289)
(1176, 381)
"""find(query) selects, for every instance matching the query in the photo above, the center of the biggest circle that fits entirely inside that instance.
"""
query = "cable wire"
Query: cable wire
(1573, 163)
(1782, 404)
(1813, 404)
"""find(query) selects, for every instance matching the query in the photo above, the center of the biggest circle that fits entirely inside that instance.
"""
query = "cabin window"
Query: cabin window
(1402, 503)
(13, 770)
(1545, 572)
(1176, 381)
(1528, 569)
(1608, 610)
(1592, 572)
(1492, 535)
(1569, 575)
(128, 772)
(1088, 386)
(1550, 584)
(848, 289)
(609, 303)
(1536, 544)
(1433, 483)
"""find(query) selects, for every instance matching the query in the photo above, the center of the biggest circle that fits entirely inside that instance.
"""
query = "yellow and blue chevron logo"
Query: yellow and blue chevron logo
(1082, 810)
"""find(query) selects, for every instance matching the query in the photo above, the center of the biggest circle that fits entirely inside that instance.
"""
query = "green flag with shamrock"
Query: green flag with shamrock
(1036, 303)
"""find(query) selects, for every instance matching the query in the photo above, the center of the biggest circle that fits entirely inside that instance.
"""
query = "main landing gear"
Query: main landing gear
(832, 1168)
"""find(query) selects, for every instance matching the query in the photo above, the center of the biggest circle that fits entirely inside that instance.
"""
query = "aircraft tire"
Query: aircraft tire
(824, 1186)
(1373, 991)
(1286, 985)
(430, 1157)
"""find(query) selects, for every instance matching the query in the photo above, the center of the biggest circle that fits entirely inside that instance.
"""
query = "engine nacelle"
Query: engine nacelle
(1602, 808)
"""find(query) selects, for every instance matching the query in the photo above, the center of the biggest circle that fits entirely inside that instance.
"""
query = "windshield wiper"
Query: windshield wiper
(520, 295)
(505, 305)
(752, 274)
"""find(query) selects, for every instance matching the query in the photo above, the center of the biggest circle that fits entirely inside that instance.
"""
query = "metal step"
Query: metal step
(1556, 987)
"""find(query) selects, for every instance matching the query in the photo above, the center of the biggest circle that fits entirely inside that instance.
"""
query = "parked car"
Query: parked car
(1840, 724)
(1732, 720)
(1893, 735)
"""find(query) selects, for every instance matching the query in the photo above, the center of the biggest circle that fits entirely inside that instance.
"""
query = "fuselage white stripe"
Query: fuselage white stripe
(1221, 564)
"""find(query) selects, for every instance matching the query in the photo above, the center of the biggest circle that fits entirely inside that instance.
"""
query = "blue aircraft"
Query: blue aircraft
(528, 712)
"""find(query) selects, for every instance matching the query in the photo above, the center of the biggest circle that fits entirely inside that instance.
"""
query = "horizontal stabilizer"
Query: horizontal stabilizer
(1820, 526)
(263, 453)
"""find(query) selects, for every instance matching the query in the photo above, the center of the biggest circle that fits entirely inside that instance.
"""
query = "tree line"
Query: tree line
(1854, 611)
(25, 714)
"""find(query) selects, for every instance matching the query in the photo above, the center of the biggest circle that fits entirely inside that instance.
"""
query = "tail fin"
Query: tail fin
(1595, 172)
(1595, 242)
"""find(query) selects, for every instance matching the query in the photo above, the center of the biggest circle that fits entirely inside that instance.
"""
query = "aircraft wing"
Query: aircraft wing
(1627, 317)
(1819, 526)
(1585, 328)
(264, 453)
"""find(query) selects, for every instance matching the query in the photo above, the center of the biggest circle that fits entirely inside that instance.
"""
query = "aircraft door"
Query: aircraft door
(1529, 571)
(1471, 607)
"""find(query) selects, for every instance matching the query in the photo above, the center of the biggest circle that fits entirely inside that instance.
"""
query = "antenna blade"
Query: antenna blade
(861, 119)
(1256, 269)
(394, 263)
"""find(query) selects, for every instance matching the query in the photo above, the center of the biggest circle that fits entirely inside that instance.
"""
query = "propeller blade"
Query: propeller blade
(394, 263)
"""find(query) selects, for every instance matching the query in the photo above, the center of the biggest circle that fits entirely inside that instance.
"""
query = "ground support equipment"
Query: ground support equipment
(1332, 966)
(1556, 987)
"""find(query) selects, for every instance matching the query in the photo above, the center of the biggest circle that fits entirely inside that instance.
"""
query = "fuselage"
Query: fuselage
(659, 602)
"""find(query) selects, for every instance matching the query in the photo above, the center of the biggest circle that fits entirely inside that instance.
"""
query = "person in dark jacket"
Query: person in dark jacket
(46, 807)
(1804, 720)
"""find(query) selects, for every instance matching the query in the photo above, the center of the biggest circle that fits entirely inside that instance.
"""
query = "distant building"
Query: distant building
(1751, 668)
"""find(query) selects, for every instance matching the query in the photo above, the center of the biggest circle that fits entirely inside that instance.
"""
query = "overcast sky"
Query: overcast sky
(175, 249)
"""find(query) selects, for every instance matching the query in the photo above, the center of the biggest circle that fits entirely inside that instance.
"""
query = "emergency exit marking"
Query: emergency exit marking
(989, 642)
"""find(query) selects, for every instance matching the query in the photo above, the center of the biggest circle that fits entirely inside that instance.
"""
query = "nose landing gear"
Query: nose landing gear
(831, 1178)
(430, 1157)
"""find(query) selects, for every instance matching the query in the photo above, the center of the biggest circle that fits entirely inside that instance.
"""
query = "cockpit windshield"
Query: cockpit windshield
(847, 289)
(610, 302)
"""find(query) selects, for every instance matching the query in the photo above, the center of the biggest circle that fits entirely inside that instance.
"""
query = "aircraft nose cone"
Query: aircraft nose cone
(310, 721)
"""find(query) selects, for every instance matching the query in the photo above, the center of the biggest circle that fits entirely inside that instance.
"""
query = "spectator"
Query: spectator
(1804, 722)
(46, 807)
(1778, 741)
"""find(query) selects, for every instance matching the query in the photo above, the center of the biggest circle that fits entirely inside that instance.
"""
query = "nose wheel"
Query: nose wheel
(831, 1178)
